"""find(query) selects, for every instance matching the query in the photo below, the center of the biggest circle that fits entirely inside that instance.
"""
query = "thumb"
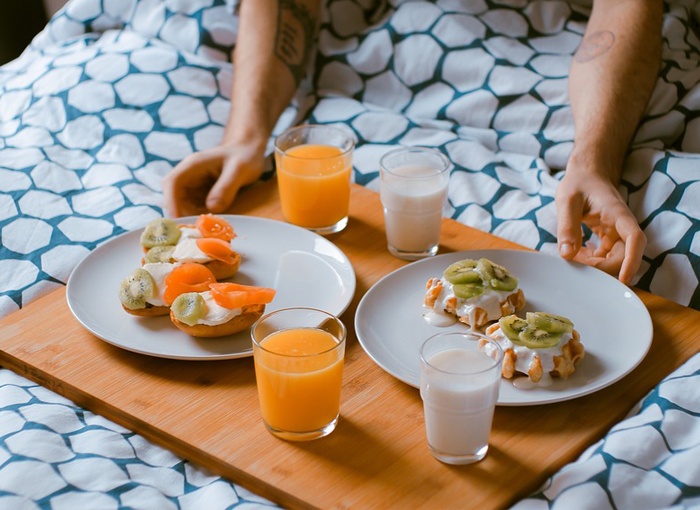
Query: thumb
(222, 194)
(569, 216)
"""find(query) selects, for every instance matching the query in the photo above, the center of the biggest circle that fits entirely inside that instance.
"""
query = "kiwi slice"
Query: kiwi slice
(495, 275)
(159, 254)
(511, 326)
(468, 290)
(549, 322)
(462, 272)
(136, 289)
(484, 267)
(189, 308)
(535, 338)
(160, 232)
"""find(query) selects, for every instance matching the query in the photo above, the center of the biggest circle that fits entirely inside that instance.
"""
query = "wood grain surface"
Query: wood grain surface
(377, 457)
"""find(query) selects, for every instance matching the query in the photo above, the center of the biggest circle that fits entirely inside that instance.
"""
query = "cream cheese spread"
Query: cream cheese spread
(159, 271)
(216, 314)
(186, 250)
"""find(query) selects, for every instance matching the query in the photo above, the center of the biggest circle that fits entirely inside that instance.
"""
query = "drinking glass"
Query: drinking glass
(460, 375)
(413, 191)
(298, 355)
(314, 167)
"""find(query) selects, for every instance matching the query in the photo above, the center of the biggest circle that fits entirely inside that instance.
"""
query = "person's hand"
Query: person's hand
(208, 181)
(593, 200)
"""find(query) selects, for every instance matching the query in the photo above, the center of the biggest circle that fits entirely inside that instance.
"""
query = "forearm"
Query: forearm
(611, 79)
(270, 59)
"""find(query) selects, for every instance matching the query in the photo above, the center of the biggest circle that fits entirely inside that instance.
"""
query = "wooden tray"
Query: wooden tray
(377, 457)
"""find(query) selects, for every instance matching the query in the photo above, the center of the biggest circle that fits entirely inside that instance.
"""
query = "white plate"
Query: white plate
(615, 326)
(304, 268)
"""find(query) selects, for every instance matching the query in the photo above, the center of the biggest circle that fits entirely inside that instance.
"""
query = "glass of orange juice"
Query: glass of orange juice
(314, 167)
(299, 355)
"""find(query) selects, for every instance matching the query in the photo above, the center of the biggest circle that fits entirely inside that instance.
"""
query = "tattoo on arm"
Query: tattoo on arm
(295, 28)
(595, 45)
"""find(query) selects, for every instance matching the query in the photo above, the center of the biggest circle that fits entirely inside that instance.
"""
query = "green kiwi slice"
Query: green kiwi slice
(495, 275)
(462, 272)
(189, 308)
(160, 232)
(511, 326)
(468, 290)
(535, 338)
(136, 289)
(484, 267)
(549, 322)
(506, 283)
(159, 254)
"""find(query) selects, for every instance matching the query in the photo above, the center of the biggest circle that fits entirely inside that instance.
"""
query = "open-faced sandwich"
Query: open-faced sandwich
(475, 292)
(537, 345)
(207, 242)
(150, 290)
(224, 309)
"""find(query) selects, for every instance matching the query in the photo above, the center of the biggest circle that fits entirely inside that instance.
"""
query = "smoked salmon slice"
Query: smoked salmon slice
(188, 277)
(217, 249)
(235, 295)
(210, 225)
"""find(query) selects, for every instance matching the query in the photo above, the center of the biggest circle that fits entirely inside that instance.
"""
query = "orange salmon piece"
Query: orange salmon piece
(217, 249)
(188, 277)
(235, 295)
(210, 225)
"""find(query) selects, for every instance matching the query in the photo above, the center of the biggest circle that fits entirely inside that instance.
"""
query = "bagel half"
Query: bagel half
(249, 314)
(148, 311)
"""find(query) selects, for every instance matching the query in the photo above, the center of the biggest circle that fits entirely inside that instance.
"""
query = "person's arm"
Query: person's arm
(611, 79)
(269, 60)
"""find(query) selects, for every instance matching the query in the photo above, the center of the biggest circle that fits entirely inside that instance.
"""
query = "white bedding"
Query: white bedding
(113, 93)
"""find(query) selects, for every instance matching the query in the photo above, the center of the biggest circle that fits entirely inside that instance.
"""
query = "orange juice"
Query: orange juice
(314, 184)
(299, 374)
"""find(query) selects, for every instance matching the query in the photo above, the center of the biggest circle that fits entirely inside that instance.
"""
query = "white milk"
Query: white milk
(413, 198)
(459, 409)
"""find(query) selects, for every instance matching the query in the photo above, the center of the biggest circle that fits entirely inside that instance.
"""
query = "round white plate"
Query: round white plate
(615, 326)
(304, 268)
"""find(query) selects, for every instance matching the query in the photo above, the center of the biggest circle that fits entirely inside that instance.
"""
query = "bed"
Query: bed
(113, 93)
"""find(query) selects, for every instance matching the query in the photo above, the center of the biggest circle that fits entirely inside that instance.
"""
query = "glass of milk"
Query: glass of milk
(413, 191)
(460, 375)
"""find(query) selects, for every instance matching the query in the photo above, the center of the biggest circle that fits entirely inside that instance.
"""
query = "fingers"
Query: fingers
(235, 175)
(598, 204)
(635, 242)
(609, 263)
(569, 216)
(170, 203)
(186, 186)
(622, 243)
(223, 193)
(621, 247)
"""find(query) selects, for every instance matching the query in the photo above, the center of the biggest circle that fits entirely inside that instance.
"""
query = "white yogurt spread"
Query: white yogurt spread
(216, 314)
(490, 301)
(525, 355)
(159, 271)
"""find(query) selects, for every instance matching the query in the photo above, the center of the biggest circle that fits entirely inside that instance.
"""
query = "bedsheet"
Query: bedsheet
(113, 93)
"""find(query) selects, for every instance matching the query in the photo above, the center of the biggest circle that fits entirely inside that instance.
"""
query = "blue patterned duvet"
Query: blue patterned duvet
(113, 93)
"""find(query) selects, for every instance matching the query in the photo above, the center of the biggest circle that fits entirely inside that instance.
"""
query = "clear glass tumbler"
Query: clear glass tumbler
(299, 355)
(413, 191)
(460, 379)
(314, 170)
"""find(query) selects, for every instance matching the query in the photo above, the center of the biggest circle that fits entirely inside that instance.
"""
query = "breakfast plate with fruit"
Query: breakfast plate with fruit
(301, 267)
(571, 329)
